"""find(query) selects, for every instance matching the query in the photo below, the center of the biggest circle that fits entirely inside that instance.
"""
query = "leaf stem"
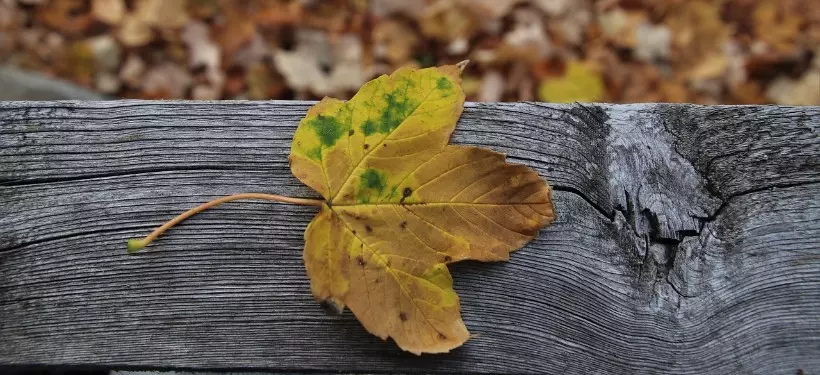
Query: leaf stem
(135, 245)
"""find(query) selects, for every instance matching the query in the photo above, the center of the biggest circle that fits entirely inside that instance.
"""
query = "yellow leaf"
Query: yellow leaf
(401, 203)
(579, 83)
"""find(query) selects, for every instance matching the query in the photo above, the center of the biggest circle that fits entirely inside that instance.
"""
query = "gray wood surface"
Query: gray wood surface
(687, 242)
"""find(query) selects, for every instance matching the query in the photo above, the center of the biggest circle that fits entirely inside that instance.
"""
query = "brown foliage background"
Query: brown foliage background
(701, 51)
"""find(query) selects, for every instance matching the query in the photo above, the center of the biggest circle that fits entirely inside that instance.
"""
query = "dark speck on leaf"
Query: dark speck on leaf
(368, 228)
(403, 316)
(360, 261)
(351, 132)
(405, 193)
(403, 224)
(366, 146)
(447, 258)
(354, 232)
(441, 336)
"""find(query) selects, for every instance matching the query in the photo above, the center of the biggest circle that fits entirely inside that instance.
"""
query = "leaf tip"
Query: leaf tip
(462, 65)
(135, 245)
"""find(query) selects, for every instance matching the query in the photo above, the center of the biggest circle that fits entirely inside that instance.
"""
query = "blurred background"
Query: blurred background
(622, 51)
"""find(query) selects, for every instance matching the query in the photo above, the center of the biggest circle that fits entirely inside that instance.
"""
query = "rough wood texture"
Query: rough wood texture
(687, 242)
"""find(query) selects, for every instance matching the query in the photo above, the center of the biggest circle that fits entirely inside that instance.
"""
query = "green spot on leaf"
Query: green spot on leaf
(443, 83)
(315, 153)
(398, 108)
(368, 127)
(328, 129)
(371, 184)
(372, 179)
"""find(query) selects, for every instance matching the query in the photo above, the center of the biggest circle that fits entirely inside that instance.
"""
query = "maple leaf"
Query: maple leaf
(400, 204)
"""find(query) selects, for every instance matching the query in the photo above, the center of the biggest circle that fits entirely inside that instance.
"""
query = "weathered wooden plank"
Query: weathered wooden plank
(686, 242)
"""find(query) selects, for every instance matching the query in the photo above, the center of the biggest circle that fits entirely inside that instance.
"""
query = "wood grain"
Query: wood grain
(686, 242)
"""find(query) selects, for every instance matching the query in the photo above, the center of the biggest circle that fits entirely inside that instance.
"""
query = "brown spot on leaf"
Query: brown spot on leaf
(354, 232)
(351, 132)
(403, 224)
(441, 336)
(366, 146)
(360, 261)
(368, 228)
(403, 316)
(405, 193)
(447, 258)
(355, 216)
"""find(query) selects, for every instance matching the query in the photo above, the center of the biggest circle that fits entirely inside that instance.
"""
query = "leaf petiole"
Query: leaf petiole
(135, 245)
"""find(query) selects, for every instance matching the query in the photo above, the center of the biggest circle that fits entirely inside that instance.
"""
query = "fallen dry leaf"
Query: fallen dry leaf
(203, 52)
(712, 66)
(319, 67)
(106, 52)
(492, 87)
(401, 204)
(133, 32)
(652, 42)
(166, 79)
(234, 32)
(579, 83)
(697, 31)
(802, 91)
(776, 27)
(162, 13)
(108, 11)
(67, 16)
(447, 20)
(262, 83)
(107, 83)
(132, 71)
(620, 27)
(11, 17)
(80, 63)
(527, 40)
(395, 41)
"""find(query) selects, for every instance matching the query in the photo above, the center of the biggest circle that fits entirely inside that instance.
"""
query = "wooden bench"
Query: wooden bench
(687, 241)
